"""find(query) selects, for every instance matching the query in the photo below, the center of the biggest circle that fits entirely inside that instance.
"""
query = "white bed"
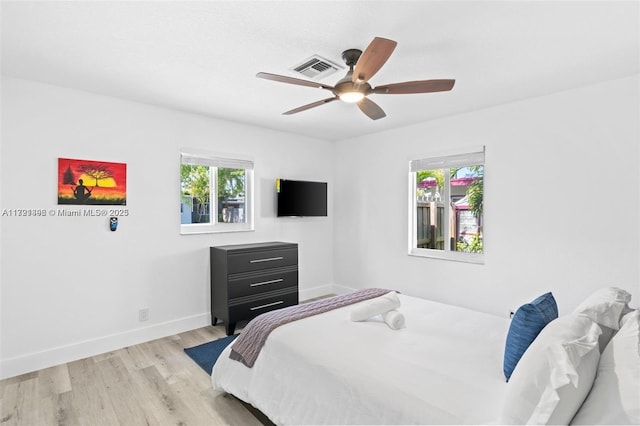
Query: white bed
(444, 367)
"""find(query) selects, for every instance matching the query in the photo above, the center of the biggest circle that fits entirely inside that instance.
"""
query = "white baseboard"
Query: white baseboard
(340, 289)
(48, 358)
(312, 293)
(324, 290)
(63, 354)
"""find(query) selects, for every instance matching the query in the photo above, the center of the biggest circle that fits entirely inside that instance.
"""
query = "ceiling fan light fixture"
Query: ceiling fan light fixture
(351, 97)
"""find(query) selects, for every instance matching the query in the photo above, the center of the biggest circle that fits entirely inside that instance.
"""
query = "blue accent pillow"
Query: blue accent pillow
(528, 321)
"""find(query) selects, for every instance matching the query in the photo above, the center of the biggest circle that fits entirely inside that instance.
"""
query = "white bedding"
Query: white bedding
(444, 367)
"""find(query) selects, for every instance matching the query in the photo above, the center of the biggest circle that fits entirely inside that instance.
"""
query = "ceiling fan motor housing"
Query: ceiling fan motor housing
(345, 85)
(351, 56)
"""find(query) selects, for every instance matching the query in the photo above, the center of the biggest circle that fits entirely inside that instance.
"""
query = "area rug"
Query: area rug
(205, 355)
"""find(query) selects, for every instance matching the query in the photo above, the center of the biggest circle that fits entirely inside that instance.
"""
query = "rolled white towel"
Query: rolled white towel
(379, 305)
(394, 319)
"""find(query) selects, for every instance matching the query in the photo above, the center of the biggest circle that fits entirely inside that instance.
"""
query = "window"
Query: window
(446, 214)
(216, 194)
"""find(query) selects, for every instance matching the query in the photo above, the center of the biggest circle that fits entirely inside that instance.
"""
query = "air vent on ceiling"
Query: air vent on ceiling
(316, 67)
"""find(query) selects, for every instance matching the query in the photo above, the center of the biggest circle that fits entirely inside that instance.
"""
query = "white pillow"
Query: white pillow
(627, 315)
(605, 306)
(555, 374)
(615, 395)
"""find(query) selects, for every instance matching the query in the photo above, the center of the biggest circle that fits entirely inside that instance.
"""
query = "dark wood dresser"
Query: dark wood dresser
(250, 279)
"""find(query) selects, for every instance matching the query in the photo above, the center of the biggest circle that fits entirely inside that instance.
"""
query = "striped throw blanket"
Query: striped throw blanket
(248, 345)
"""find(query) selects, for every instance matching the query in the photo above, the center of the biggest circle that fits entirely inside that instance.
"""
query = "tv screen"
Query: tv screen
(301, 198)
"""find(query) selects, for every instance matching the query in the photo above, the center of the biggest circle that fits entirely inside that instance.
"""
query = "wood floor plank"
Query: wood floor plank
(134, 357)
(127, 404)
(54, 381)
(16, 379)
(20, 403)
(47, 410)
(170, 360)
(66, 412)
(200, 335)
(153, 383)
(233, 410)
(9, 403)
(89, 394)
(167, 403)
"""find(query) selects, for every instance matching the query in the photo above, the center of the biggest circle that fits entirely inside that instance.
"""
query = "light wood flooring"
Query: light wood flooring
(153, 383)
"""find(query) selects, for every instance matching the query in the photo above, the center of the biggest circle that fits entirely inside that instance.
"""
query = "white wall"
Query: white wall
(561, 202)
(70, 288)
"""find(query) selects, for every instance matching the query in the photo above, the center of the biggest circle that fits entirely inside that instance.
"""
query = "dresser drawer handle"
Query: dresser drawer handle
(267, 282)
(255, 308)
(268, 259)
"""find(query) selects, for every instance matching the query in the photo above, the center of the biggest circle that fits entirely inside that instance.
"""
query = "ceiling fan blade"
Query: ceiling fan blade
(311, 105)
(371, 109)
(291, 80)
(421, 86)
(372, 59)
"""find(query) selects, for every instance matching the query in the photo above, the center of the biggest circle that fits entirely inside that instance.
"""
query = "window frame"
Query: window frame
(215, 161)
(442, 160)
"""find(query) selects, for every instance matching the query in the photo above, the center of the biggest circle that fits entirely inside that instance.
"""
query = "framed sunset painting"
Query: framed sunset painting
(91, 182)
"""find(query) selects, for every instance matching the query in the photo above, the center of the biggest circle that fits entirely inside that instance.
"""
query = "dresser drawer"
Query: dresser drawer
(257, 260)
(250, 279)
(261, 282)
(250, 307)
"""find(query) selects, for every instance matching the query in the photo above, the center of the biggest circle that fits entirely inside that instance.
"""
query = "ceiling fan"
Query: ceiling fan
(354, 86)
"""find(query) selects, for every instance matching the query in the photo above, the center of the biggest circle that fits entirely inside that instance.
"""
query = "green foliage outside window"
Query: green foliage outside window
(196, 188)
(437, 174)
(230, 183)
(474, 194)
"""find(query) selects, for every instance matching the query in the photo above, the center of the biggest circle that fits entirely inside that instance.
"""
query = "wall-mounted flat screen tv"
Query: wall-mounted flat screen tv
(301, 198)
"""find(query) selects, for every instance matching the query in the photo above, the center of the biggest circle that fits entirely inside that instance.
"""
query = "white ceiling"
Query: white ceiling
(202, 57)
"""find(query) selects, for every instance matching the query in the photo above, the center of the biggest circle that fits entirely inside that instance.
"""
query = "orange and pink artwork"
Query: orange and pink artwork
(91, 182)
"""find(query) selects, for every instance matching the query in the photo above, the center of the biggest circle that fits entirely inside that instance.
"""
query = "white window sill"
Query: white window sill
(476, 258)
(215, 229)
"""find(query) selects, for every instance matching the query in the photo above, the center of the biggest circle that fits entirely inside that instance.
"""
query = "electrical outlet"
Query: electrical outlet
(143, 314)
